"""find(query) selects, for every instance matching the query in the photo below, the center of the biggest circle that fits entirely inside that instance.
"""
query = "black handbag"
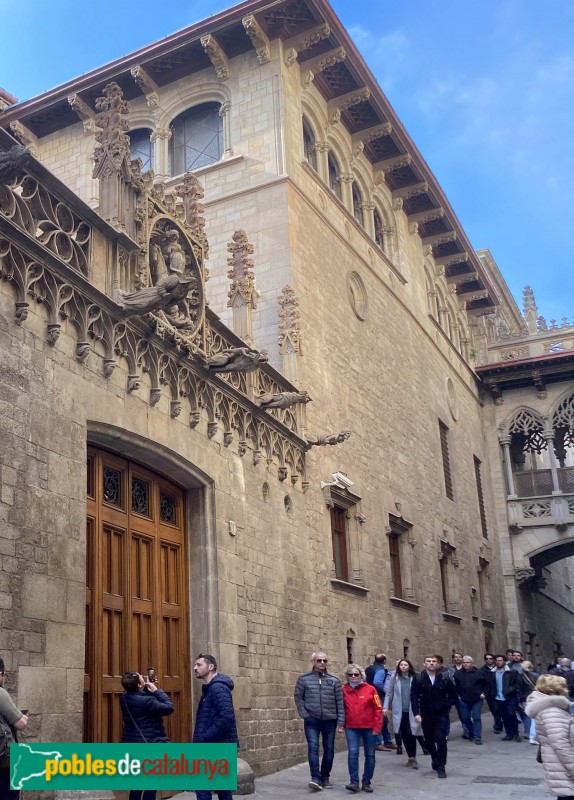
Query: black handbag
(539, 754)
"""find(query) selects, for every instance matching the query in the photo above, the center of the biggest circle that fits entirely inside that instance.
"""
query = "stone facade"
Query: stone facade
(379, 320)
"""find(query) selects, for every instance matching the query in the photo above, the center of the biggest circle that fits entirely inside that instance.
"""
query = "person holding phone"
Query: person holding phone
(143, 707)
(12, 720)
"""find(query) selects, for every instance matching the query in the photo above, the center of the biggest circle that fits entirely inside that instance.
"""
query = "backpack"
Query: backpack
(5, 737)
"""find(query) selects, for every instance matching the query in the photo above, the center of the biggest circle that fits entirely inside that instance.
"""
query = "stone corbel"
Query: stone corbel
(25, 136)
(410, 191)
(336, 107)
(538, 381)
(422, 217)
(413, 228)
(84, 112)
(309, 39)
(216, 55)
(258, 38)
(495, 391)
(147, 86)
(389, 165)
(452, 260)
(372, 134)
(319, 64)
(440, 238)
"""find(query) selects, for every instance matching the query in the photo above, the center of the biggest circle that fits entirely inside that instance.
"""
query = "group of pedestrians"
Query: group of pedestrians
(419, 705)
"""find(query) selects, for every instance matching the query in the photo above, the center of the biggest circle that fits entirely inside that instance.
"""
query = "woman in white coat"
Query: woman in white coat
(398, 700)
(549, 705)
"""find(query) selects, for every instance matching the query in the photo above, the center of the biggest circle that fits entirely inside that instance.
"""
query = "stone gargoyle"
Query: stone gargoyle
(13, 161)
(168, 291)
(282, 399)
(236, 359)
(331, 438)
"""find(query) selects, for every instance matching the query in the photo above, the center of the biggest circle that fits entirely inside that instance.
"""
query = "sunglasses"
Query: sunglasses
(321, 660)
(353, 674)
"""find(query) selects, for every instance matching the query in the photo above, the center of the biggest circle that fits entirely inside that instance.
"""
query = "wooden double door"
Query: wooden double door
(136, 592)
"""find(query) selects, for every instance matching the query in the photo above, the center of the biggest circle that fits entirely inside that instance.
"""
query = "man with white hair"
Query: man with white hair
(472, 686)
(319, 701)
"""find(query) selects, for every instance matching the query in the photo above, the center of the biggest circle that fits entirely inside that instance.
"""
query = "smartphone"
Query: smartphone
(151, 676)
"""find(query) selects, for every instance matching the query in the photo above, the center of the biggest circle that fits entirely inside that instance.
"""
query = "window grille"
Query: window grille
(197, 138)
(446, 460)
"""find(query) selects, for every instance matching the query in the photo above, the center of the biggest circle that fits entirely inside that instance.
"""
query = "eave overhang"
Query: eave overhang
(394, 155)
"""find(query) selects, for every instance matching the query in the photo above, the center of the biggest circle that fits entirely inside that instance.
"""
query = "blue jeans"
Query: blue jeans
(470, 715)
(354, 738)
(327, 729)
(507, 710)
(525, 720)
(384, 737)
(223, 794)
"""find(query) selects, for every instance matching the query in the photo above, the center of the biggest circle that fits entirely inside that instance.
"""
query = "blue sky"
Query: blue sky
(486, 91)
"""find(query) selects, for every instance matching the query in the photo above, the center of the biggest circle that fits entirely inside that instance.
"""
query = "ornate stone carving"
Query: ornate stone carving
(216, 55)
(258, 38)
(530, 309)
(529, 579)
(41, 215)
(281, 400)
(191, 193)
(340, 104)
(147, 85)
(240, 274)
(112, 154)
(289, 321)
(237, 359)
(327, 439)
(25, 136)
(514, 353)
(12, 162)
(176, 288)
(84, 112)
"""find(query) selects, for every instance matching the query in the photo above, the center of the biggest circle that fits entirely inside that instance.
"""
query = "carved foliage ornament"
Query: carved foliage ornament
(113, 150)
(240, 274)
(289, 321)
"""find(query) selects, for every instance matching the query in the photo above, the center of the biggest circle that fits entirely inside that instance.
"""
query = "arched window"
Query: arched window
(141, 147)
(197, 138)
(379, 233)
(334, 176)
(309, 145)
(358, 205)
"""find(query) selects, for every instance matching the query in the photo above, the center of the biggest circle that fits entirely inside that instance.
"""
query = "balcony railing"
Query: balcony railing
(538, 482)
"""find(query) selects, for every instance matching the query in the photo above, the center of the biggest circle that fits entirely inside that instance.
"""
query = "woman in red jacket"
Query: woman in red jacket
(363, 720)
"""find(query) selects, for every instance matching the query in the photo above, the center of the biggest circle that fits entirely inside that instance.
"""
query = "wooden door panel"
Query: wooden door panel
(136, 612)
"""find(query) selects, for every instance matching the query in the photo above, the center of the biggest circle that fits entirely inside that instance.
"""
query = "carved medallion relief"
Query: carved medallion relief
(357, 295)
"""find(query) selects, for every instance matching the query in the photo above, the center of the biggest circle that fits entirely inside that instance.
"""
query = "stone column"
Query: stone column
(226, 117)
(549, 436)
(160, 139)
(505, 442)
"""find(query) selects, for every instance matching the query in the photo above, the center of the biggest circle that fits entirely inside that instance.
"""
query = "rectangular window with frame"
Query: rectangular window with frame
(395, 559)
(340, 543)
(443, 429)
(480, 497)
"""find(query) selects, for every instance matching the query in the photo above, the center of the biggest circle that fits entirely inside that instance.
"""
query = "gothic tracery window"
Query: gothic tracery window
(197, 138)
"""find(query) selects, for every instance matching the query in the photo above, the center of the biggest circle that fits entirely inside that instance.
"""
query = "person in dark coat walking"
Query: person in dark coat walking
(431, 697)
(215, 717)
(143, 705)
(319, 701)
(472, 686)
(507, 687)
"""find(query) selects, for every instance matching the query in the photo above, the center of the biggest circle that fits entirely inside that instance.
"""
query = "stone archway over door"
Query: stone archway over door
(136, 591)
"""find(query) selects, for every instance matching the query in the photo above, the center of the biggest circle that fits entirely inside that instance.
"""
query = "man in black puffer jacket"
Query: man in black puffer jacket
(319, 701)
(215, 717)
